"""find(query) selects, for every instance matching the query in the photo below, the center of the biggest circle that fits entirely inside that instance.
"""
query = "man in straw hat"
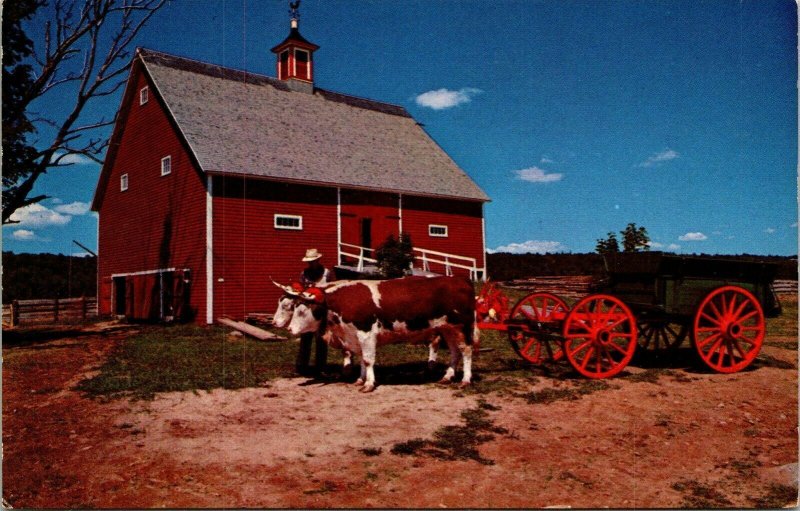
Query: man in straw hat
(315, 274)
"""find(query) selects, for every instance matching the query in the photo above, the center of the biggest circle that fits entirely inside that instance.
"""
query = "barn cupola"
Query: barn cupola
(295, 63)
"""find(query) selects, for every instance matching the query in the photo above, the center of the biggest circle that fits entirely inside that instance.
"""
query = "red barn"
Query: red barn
(217, 179)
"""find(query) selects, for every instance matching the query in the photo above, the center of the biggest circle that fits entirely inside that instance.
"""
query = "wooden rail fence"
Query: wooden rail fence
(63, 310)
(573, 286)
(785, 287)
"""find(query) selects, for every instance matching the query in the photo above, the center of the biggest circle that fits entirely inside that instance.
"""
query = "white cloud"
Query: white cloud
(693, 236)
(73, 159)
(537, 175)
(794, 225)
(23, 235)
(545, 159)
(672, 247)
(445, 98)
(530, 246)
(770, 230)
(660, 157)
(73, 208)
(37, 215)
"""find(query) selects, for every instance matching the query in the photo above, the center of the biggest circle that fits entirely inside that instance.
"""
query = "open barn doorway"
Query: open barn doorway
(157, 295)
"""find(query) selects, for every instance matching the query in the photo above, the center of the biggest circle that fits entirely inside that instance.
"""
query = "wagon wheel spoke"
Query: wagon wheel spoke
(536, 308)
(610, 322)
(587, 357)
(746, 317)
(709, 318)
(704, 342)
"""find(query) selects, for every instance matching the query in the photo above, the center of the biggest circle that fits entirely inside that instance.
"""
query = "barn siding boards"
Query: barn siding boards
(249, 251)
(464, 228)
(381, 210)
(159, 221)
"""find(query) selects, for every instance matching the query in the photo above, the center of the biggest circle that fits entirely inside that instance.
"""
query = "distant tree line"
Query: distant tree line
(505, 266)
(32, 276)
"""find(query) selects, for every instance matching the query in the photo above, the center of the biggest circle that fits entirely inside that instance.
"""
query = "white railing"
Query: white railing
(447, 260)
(424, 256)
(360, 257)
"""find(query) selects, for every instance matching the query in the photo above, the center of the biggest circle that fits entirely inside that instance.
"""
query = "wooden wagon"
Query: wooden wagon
(652, 300)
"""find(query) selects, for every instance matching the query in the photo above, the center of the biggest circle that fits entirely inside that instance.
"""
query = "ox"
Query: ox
(363, 314)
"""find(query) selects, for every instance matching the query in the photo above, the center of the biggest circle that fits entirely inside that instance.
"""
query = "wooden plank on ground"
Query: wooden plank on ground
(252, 331)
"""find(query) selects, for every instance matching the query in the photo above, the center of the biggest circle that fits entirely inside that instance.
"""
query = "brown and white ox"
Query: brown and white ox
(364, 314)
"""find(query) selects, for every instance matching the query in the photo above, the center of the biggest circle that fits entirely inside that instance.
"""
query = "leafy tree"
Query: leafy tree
(17, 80)
(635, 239)
(395, 256)
(83, 59)
(608, 245)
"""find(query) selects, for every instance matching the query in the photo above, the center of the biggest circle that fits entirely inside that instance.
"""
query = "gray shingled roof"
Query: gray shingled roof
(240, 123)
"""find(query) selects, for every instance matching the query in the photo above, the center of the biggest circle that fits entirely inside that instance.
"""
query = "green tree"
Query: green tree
(635, 239)
(395, 256)
(607, 245)
(18, 78)
(84, 57)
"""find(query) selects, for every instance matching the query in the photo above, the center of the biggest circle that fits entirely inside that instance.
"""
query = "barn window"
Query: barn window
(291, 222)
(166, 165)
(123, 182)
(301, 58)
(144, 95)
(437, 231)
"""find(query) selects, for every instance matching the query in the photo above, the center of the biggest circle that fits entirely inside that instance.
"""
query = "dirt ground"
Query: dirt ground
(681, 439)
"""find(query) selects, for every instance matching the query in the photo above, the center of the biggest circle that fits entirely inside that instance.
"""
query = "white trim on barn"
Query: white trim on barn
(483, 236)
(400, 214)
(338, 226)
(209, 252)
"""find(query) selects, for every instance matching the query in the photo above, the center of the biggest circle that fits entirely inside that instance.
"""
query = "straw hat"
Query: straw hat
(311, 255)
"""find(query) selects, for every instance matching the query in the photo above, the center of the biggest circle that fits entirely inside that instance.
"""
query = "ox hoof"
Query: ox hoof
(367, 388)
(444, 381)
(359, 382)
(464, 384)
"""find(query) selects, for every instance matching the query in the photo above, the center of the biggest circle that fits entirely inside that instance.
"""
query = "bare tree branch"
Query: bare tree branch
(78, 28)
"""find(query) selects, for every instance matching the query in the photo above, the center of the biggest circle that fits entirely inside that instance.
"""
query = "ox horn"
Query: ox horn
(286, 289)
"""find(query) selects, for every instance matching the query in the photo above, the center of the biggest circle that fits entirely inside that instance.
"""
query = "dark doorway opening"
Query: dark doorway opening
(366, 232)
(119, 296)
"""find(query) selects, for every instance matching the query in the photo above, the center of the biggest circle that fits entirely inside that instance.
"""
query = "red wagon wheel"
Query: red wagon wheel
(659, 335)
(729, 329)
(542, 310)
(599, 336)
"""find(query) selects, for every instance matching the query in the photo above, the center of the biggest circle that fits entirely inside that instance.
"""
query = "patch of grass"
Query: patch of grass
(456, 442)
(186, 358)
(700, 495)
(785, 325)
(371, 451)
(575, 391)
(778, 496)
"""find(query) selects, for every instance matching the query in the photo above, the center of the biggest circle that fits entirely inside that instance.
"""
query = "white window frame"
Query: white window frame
(166, 163)
(123, 182)
(436, 235)
(144, 95)
(298, 227)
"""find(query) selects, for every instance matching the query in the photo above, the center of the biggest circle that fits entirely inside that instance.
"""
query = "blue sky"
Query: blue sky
(576, 117)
